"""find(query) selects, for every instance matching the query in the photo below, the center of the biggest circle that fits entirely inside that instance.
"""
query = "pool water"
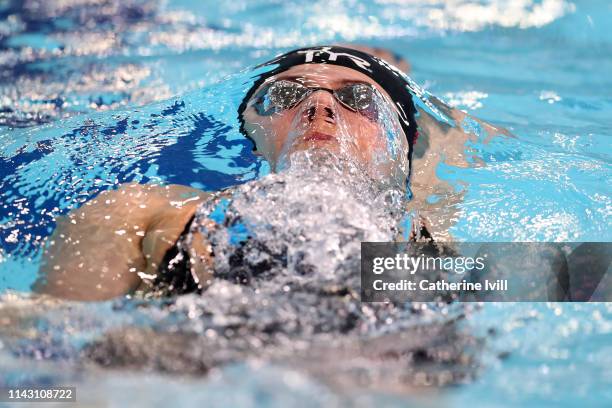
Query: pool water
(97, 93)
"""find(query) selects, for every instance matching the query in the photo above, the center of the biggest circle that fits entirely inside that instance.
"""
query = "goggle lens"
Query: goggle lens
(283, 95)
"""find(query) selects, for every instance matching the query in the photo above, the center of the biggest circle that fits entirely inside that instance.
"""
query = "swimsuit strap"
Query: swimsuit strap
(420, 232)
(175, 275)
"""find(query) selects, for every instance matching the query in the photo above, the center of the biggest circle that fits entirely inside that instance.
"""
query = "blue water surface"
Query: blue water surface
(94, 94)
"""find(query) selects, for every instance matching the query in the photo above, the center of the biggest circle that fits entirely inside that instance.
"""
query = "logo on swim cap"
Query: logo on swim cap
(333, 56)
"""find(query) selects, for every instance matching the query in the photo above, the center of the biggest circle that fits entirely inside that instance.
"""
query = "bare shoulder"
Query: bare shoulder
(98, 250)
(446, 142)
(171, 207)
(153, 194)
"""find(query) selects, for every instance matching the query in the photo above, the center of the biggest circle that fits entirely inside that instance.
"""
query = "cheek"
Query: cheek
(268, 132)
(369, 138)
(277, 130)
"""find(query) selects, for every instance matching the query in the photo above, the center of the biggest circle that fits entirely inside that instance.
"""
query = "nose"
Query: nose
(320, 105)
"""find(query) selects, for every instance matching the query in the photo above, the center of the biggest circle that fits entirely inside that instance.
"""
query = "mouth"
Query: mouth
(318, 136)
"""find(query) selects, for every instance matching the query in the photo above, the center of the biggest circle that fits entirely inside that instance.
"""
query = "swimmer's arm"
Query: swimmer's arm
(96, 251)
(439, 142)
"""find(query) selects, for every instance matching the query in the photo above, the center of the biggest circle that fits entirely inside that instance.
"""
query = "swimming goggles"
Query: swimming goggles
(283, 94)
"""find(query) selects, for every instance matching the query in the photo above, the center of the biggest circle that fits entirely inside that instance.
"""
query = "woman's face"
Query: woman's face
(320, 121)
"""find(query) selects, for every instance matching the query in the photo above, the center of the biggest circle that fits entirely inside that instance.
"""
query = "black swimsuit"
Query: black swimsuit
(175, 275)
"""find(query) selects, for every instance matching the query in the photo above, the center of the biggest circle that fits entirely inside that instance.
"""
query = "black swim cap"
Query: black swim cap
(387, 76)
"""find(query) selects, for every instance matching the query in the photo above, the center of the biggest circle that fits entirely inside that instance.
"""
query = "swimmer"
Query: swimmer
(338, 100)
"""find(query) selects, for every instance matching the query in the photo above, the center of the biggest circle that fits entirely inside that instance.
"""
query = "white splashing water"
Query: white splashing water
(314, 215)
